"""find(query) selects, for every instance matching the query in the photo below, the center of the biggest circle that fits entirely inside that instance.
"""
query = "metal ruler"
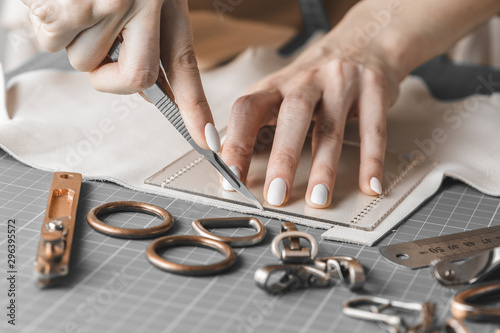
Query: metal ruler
(453, 247)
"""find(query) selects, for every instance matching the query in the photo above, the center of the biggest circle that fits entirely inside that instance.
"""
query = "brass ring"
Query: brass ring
(130, 206)
(463, 308)
(170, 241)
(231, 222)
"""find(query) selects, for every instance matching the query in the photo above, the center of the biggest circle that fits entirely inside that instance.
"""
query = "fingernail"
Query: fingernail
(375, 185)
(212, 137)
(276, 192)
(225, 184)
(319, 195)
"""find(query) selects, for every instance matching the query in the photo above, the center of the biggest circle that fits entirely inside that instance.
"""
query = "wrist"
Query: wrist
(374, 31)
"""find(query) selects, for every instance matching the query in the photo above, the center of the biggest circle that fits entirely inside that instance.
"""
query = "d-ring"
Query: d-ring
(231, 222)
(299, 234)
(130, 206)
(170, 241)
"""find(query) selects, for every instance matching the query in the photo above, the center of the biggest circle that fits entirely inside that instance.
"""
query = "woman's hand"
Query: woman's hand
(354, 71)
(328, 88)
(151, 29)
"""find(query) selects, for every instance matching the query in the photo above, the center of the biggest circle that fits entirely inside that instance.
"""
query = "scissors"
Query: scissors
(162, 97)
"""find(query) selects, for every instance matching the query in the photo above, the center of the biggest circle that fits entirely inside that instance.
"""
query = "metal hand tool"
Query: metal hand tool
(129, 206)
(468, 272)
(54, 248)
(161, 96)
(373, 307)
(452, 247)
(231, 222)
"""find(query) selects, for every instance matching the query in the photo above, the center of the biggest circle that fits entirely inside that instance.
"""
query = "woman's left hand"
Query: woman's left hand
(324, 86)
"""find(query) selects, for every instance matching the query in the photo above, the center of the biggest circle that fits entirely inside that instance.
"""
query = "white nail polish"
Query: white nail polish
(319, 195)
(277, 192)
(225, 184)
(212, 137)
(375, 185)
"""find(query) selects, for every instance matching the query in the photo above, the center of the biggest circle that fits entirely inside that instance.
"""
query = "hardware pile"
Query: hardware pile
(475, 278)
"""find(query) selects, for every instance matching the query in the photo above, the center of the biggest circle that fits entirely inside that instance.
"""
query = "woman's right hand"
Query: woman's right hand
(151, 30)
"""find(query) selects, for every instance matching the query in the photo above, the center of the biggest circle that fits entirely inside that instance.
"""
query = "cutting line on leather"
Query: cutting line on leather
(411, 167)
(181, 171)
(365, 211)
(188, 167)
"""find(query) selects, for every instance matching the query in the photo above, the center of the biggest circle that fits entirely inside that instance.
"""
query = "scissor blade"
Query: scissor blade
(235, 182)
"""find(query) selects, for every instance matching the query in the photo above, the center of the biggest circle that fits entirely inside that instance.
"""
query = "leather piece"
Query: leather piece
(43, 134)
(350, 207)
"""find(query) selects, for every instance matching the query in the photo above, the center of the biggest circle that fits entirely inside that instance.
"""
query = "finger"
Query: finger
(372, 128)
(138, 63)
(179, 61)
(247, 117)
(328, 134)
(57, 23)
(294, 120)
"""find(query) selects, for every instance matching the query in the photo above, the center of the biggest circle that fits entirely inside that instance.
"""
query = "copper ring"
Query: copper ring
(231, 222)
(462, 307)
(130, 206)
(171, 241)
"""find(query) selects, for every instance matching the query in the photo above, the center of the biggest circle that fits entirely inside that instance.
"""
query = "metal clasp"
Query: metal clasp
(293, 252)
(393, 323)
(347, 269)
(290, 277)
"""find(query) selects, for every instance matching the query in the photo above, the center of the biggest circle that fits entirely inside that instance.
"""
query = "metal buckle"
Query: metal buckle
(293, 278)
(292, 252)
(395, 324)
(231, 222)
(347, 269)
